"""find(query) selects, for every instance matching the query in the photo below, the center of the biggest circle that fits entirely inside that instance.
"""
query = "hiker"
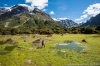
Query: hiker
(42, 43)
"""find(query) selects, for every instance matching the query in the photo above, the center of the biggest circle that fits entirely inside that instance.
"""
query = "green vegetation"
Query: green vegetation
(24, 54)
(48, 28)
(30, 24)
(84, 30)
(39, 23)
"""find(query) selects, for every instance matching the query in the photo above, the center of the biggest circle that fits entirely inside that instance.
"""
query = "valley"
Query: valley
(24, 54)
(32, 35)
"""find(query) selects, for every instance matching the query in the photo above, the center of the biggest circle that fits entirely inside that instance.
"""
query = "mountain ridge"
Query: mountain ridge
(93, 21)
(25, 21)
(68, 23)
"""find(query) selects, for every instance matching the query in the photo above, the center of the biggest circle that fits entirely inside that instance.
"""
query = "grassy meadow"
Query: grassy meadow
(27, 55)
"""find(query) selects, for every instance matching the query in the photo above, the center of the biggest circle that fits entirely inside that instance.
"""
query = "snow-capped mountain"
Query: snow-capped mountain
(16, 10)
(94, 21)
(4, 10)
(18, 6)
(66, 22)
(29, 8)
(22, 15)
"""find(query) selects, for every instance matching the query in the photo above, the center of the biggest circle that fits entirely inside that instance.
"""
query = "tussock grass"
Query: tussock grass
(11, 55)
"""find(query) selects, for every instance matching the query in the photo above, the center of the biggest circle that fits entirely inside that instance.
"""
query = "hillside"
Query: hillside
(24, 20)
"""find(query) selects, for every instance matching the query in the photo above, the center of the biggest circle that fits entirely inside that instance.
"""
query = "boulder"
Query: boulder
(10, 41)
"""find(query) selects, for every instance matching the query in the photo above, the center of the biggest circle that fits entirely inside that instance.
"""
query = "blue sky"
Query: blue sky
(61, 8)
(69, 8)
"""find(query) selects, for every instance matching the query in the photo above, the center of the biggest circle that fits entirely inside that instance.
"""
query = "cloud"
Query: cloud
(91, 11)
(52, 12)
(41, 4)
(44, 10)
(25, 5)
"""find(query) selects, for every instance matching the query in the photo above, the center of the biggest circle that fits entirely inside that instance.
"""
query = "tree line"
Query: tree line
(50, 30)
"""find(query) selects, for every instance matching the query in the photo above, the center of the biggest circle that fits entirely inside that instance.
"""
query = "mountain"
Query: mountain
(3, 10)
(68, 23)
(21, 13)
(19, 9)
(94, 21)
(25, 19)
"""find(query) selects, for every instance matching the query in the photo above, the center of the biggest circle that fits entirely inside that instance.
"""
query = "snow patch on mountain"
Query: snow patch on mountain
(30, 8)
(59, 19)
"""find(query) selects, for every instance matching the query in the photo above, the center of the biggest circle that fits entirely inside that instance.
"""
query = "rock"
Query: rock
(30, 48)
(84, 41)
(39, 43)
(35, 36)
(29, 61)
(25, 38)
(10, 41)
(21, 48)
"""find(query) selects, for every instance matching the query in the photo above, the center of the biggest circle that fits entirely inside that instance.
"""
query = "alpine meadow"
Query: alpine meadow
(49, 33)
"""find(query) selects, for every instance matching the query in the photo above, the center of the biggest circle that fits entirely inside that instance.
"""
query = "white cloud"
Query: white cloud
(29, 7)
(44, 10)
(38, 3)
(52, 12)
(91, 11)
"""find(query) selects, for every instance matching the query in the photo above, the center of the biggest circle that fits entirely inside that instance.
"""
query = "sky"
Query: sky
(77, 10)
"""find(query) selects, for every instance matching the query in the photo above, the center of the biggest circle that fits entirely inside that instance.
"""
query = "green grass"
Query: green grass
(10, 55)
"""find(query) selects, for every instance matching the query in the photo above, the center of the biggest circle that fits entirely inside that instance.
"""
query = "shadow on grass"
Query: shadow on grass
(52, 48)
(7, 50)
(8, 41)
(2, 42)
(10, 48)
(3, 52)
(96, 36)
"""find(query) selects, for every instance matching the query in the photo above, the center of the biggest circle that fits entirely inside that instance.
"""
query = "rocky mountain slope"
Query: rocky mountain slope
(19, 15)
(22, 18)
(68, 23)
